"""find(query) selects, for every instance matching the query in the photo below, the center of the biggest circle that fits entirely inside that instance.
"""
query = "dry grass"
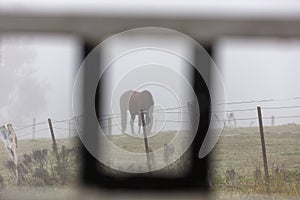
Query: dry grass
(237, 168)
(237, 164)
(28, 147)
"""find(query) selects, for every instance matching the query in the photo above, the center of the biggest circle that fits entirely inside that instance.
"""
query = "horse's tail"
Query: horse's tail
(124, 100)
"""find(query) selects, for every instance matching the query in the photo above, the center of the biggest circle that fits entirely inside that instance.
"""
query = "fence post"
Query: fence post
(145, 140)
(33, 128)
(53, 138)
(263, 146)
(192, 114)
(273, 120)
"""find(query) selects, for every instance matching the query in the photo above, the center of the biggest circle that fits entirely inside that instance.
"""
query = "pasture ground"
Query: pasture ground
(236, 161)
(237, 164)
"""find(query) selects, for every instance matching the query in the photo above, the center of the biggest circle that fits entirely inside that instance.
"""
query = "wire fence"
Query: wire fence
(238, 148)
(68, 125)
(34, 129)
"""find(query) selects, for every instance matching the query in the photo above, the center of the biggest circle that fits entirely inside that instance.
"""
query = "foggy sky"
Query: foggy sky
(258, 69)
(37, 74)
(159, 72)
(36, 78)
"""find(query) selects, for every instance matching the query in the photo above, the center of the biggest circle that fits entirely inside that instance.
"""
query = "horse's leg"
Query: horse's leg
(131, 123)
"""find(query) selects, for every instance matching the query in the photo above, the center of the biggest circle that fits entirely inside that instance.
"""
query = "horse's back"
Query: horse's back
(136, 101)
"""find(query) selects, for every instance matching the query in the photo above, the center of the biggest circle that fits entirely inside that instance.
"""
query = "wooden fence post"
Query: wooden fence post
(145, 140)
(273, 120)
(192, 113)
(53, 138)
(263, 146)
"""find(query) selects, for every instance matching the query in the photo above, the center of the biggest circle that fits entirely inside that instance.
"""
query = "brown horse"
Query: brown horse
(136, 102)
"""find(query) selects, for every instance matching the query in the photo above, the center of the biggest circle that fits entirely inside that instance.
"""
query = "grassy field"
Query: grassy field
(240, 149)
(236, 161)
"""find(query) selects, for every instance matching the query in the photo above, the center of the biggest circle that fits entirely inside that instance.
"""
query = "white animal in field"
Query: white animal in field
(9, 139)
(231, 121)
(135, 102)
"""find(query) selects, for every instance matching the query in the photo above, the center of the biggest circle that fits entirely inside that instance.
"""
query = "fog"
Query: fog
(164, 75)
(261, 69)
(36, 78)
(37, 74)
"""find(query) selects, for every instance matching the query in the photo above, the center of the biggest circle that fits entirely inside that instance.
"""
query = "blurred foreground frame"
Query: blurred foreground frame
(196, 179)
